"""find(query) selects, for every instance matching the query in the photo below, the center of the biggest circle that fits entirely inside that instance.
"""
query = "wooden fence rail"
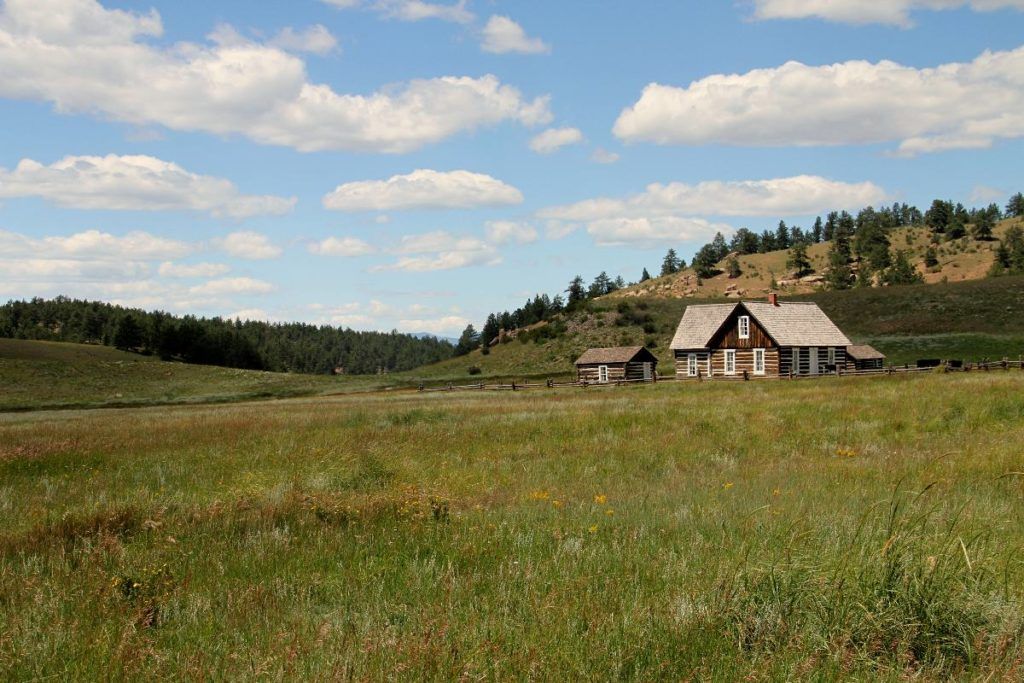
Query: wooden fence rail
(980, 366)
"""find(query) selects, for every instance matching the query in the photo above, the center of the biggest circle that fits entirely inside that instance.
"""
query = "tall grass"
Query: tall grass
(852, 528)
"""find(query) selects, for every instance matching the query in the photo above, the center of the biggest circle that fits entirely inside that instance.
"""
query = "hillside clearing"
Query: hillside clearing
(865, 528)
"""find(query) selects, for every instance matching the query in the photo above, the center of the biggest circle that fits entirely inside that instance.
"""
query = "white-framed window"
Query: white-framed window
(744, 326)
(831, 355)
(730, 361)
(758, 361)
(691, 365)
(602, 373)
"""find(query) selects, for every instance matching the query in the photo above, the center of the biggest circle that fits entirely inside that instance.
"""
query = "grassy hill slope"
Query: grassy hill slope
(959, 260)
(973, 319)
(36, 374)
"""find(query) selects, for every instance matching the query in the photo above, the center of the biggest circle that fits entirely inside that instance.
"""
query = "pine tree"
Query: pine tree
(128, 334)
(601, 285)
(984, 222)
(468, 341)
(782, 238)
(492, 328)
(902, 272)
(645, 276)
(798, 262)
(576, 293)
(733, 268)
(719, 249)
(671, 264)
(931, 258)
(1015, 207)
(839, 275)
(818, 231)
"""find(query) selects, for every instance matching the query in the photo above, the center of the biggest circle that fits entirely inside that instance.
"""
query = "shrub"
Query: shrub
(474, 370)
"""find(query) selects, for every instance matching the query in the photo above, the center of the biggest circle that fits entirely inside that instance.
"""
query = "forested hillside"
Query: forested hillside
(279, 347)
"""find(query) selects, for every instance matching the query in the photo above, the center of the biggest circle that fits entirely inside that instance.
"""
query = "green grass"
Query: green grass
(862, 528)
(52, 375)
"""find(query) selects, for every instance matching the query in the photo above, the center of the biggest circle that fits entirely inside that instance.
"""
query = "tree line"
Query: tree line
(278, 347)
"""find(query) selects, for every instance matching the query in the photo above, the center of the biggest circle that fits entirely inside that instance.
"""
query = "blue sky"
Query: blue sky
(415, 165)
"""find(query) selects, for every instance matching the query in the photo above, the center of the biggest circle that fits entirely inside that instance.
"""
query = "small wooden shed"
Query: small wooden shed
(614, 364)
(864, 357)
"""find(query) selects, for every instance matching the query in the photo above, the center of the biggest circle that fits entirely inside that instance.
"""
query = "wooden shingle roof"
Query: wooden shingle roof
(864, 352)
(617, 354)
(789, 324)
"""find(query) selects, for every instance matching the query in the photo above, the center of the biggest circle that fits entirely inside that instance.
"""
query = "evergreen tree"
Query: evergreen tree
(671, 263)
(931, 257)
(902, 272)
(938, 217)
(818, 231)
(871, 243)
(719, 248)
(128, 334)
(733, 267)
(782, 238)
(984, 222)
(468, 340)
(576, 293)
(645, 276)
(1015, 207)
(744, 242)
(839, 275)
(601, 285)
(798, 262)
(492, 328)
(704, 262)
(767, 243)
(830, 226)
(956, 229)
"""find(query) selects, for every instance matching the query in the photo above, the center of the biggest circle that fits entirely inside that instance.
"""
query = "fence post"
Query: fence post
(746, 377)
(421, 386)
(513, 385)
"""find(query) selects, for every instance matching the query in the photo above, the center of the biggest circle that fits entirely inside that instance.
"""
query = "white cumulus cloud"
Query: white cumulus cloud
(423, 189)
(953, 106)
(675, 212)
(892, 12)
(441, 250)
(140, 183)
(502, 35)
(232, 285)
(411, 10)
(192, 270)
(85, 58)
(342, 246)
(315, 39)
(553, 139)
(247, 244)
(510, 232)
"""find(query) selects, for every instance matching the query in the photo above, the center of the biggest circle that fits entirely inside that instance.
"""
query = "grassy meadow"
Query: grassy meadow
(52, 375)
(867, 528)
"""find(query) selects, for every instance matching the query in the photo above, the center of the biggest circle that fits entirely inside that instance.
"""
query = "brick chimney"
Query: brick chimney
(773, 299)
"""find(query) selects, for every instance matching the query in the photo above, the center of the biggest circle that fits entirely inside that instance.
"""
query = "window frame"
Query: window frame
(602, 374)
(831, 355)
(743, 327)
(691, 365)
(759, 354)
(729, 359)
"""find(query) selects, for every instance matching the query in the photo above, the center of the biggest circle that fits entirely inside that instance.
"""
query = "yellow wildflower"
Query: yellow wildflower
(600, 499)
(593, 529)
(727, 485)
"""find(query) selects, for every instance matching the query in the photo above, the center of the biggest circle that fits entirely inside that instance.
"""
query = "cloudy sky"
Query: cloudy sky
(414, 164)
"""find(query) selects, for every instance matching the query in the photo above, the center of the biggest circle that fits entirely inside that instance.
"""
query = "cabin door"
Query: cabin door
(648, 372)
(813, 351)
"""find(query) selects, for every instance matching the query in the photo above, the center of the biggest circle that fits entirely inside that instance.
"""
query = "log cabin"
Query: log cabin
(757, 339)
(600, 366)
(864, 357)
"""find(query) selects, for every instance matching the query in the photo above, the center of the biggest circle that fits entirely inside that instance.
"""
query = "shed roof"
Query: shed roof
(864, 352)
(789, 324)
(617, 354)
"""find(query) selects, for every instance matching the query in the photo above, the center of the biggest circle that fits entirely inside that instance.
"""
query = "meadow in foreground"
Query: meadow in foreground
(843, 527)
